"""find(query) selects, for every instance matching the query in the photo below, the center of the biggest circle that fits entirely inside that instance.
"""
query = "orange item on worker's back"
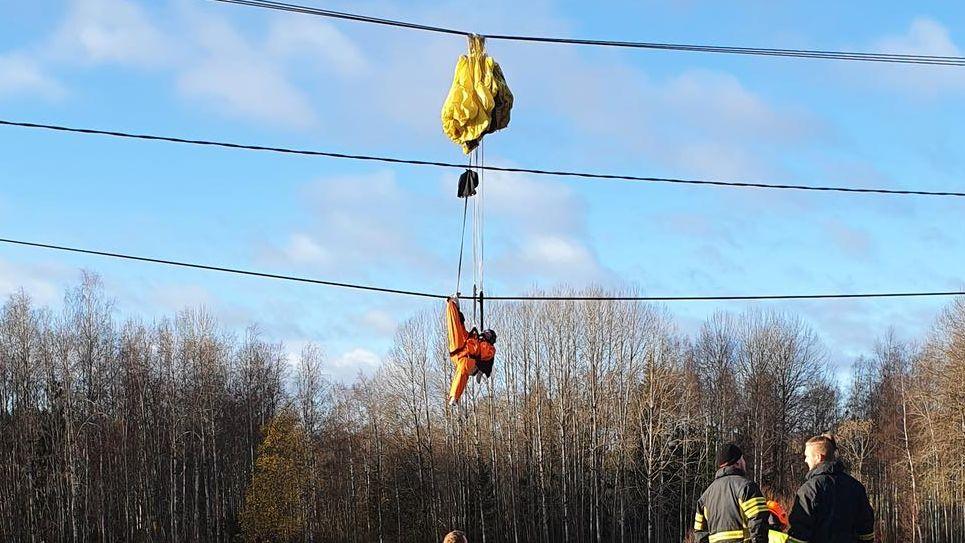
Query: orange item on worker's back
(779, 513)
(465, 349)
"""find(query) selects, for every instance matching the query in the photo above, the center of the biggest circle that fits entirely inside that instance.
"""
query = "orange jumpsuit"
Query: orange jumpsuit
(465, 349)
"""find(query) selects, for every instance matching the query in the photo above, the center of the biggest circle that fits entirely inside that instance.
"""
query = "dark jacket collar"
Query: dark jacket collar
(728, 470)
(826, 468)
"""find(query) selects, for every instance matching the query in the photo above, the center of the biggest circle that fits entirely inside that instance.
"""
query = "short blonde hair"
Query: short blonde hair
(455, 536)
(825, 444)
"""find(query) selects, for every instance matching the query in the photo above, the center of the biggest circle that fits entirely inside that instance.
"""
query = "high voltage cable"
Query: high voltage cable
(462, 166)
(503, 298)
(221, 269)
(759, 51)
(755, 297)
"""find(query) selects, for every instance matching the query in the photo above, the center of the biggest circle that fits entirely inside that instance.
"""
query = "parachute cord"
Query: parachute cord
(462, 243)
(482, 224)
(475, 242)
(462, 237)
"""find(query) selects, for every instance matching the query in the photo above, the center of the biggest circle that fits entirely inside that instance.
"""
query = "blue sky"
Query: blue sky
(210, 70)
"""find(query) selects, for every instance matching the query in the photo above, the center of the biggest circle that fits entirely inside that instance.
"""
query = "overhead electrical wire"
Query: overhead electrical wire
(274, 276)
(898, 58)
(223, 269)
(462, 166)
(800, 53)
(837, 55)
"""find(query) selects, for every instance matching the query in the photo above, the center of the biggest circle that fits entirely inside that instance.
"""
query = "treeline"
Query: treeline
(600, 424)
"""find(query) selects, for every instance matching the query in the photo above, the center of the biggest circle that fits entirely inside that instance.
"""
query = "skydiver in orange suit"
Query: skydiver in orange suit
(472, 353)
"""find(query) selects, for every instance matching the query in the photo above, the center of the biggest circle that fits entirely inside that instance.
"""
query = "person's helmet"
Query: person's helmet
(489, 336)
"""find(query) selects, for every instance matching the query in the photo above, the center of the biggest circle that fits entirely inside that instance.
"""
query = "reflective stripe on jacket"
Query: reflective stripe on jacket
(731, 509)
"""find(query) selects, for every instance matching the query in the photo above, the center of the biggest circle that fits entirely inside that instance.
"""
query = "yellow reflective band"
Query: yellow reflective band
(698, 526)
(734, 535)
(773, 536)
(751, 513)
(753, 503)
(867, 537)
(699, 518)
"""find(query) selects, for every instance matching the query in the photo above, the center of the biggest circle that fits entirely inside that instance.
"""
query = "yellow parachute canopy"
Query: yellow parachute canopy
(479, 100)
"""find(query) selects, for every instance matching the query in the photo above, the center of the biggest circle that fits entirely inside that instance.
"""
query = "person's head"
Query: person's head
(819, 449)
(455, 536)
(730, 454)
(489, 336)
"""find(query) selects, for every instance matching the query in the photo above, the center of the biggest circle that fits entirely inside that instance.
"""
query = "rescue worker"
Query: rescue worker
(831, 506)
(733, 507)
(471, 352)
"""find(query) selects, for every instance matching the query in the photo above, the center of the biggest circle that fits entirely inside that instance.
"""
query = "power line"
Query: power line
(754, 297)
(221, 269)
(759, 51)
(501, 298)
(462, 166)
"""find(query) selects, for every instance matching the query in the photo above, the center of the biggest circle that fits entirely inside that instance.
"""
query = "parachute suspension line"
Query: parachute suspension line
(482, 230)
(462, 239)
(474, 159)
(462, 243)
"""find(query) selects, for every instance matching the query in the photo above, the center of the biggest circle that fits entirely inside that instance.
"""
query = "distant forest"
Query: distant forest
(600, 424)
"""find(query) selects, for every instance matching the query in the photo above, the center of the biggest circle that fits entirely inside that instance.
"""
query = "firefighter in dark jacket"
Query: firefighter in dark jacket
(831, 506)
(733, 507)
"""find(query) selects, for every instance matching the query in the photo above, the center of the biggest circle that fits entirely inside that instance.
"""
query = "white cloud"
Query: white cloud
(850, 327)
(238, 79)
(718, 103)
(925, 36)
(691, 121)
(554, 259)
(722, 159)
(379, 322)
(42, 283)
(318, 42)
(303, 249)
(22, 75)
(211, 63)
(541, 232)
(534, 204)
(362, 223)
(557, 251)
(357, 359)
(110, 31)
(384, 83)
(344, 367)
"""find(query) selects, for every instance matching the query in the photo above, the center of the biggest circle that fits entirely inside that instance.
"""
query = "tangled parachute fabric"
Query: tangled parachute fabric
(479, 101)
